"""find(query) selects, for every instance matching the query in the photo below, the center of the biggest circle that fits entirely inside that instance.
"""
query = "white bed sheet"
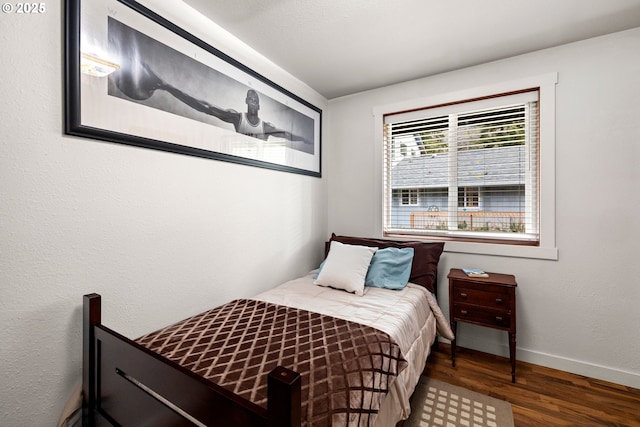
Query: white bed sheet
(406, 315)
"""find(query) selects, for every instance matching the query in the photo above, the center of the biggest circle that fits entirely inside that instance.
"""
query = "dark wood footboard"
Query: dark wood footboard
(126, 384)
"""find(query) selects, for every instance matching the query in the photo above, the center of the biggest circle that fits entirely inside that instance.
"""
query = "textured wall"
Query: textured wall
(577, 313)
(161, 236)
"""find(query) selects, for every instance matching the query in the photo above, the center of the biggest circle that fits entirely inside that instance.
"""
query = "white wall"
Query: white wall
(579, 313)
(161, 236)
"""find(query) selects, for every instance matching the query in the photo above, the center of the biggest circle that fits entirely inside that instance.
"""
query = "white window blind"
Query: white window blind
(470, 167)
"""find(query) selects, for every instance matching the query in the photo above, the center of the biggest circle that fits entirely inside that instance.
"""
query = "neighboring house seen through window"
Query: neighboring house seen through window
(465, 170)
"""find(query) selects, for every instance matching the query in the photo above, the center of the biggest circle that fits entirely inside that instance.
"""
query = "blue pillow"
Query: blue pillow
(315, 276)
(390, 268)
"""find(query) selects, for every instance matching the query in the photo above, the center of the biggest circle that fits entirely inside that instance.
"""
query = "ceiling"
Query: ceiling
(340, 47)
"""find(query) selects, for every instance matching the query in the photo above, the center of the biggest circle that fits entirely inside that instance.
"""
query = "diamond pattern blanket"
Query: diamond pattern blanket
(347, 368)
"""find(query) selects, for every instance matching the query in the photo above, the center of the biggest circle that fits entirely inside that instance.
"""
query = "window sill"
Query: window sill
(517, 251)
(504, 249)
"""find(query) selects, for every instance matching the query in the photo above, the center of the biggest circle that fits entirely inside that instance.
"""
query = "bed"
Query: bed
(320, 350)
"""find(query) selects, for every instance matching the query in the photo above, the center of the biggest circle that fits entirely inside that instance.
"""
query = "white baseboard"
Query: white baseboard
(605, 373)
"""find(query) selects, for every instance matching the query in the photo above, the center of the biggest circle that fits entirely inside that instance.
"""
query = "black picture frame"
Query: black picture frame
(176, 93)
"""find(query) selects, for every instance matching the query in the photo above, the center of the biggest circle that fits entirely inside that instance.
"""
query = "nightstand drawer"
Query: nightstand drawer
(486, 298)
(481, 316)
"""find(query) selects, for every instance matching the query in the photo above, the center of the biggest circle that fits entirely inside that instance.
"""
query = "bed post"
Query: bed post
(284, 404)
(91, 316)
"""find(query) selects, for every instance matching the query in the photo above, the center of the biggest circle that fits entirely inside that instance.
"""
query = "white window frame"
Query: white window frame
(546, 84)
(413, 193)
(466, 193)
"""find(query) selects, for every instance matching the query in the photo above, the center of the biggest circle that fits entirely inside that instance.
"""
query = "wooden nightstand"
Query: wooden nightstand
(485, 301)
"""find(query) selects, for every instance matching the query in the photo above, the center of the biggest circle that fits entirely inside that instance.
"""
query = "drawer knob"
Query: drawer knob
(499, 318)
(463, 311)
(499, 301)
(463, 295)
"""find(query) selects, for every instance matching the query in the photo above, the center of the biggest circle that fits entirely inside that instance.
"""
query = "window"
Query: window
(475, 165)
(407, 197)
(468, 197)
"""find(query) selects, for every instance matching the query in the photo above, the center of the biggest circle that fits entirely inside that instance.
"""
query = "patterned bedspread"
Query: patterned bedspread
(347, 368)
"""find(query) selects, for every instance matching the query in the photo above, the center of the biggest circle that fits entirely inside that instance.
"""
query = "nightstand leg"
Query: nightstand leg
(454, 327)
(512, 355)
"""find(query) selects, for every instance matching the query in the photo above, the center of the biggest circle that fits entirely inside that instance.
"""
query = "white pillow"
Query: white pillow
(346, 267)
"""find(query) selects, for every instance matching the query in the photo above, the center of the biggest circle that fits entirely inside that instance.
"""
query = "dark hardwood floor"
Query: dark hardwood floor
(541, 397)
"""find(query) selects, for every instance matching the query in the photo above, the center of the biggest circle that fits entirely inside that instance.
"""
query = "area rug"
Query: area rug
(435, 403)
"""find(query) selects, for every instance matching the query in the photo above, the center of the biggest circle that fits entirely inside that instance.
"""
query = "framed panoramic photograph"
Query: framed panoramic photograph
(135, 78)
